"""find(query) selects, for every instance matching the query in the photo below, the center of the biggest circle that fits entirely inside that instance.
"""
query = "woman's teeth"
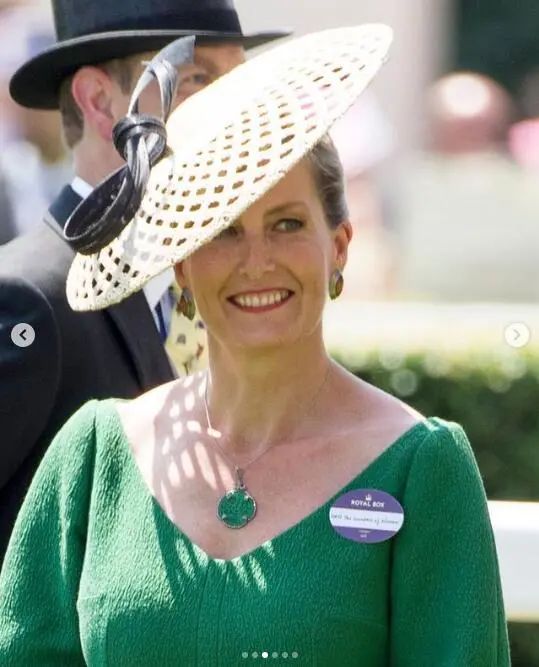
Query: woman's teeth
(261, 300)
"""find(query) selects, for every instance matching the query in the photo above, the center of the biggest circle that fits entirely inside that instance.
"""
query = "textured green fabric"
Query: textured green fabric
(97, 574)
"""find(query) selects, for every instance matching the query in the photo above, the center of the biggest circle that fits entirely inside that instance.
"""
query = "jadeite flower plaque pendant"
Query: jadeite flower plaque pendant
(237, 507)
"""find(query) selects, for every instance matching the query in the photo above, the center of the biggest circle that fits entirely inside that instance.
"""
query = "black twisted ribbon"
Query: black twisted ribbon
(141, 140)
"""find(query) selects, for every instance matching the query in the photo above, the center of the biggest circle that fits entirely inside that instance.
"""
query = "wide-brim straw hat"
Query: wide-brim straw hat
(227, 146)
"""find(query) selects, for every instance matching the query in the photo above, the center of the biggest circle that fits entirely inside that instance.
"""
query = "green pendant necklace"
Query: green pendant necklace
(237, 507)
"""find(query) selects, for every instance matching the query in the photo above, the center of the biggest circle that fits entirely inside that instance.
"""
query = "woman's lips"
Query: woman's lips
(262, 302)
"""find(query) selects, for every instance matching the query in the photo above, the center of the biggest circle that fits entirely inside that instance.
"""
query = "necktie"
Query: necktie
(163, 312)
(161, 322)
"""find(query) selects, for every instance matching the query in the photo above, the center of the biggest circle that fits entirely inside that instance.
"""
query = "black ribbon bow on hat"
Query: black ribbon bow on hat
(141, 140)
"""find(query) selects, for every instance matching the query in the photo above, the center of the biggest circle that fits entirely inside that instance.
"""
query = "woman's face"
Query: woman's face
(281, 244)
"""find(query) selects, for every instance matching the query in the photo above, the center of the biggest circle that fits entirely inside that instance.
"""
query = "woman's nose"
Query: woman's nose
(257, 256)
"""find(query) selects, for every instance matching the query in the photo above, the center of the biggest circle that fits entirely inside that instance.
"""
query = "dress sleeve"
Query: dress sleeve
(41, 571)
(447, 606)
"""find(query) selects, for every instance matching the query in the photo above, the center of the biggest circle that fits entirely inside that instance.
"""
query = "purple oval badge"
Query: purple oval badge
(366, 515)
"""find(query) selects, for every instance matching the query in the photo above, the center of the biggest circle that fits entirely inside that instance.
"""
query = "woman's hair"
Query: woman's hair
(329, 180)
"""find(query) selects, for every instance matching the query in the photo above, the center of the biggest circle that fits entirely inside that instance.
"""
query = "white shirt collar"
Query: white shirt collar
(154, 288)
(157, 286)
(80, 186)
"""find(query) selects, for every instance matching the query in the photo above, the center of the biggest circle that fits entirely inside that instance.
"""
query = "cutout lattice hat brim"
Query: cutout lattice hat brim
(227, 146)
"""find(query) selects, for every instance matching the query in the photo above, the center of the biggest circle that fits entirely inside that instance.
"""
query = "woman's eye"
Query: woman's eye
(292, 223)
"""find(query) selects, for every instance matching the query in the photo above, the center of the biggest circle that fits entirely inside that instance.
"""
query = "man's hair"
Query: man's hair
(122, 70)
(328, 175)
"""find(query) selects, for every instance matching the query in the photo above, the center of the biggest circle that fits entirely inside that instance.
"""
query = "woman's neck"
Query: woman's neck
(256, 405)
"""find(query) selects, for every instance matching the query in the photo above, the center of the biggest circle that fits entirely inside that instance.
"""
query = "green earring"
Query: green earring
(336, 283)
(186, 304)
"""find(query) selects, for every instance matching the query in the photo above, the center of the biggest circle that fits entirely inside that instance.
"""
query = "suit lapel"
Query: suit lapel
(134, 320)
(60, 210)
(132, 317)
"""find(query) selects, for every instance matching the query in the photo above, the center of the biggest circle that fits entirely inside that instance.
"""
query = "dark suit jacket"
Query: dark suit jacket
(75, 357)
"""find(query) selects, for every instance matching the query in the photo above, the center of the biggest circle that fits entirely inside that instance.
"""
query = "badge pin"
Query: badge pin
(366, 515)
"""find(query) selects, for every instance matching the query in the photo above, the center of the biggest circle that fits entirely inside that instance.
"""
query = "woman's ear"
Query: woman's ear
(93, 90)
(180, 275)
(342, 236)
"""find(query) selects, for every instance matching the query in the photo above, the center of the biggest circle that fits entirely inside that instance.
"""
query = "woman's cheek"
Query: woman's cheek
(310, 254)
(210, 262)
(300, 247)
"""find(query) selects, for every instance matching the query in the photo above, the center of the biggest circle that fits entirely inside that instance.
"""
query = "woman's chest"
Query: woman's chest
(189, 476)
(149, 597)
(285, 487)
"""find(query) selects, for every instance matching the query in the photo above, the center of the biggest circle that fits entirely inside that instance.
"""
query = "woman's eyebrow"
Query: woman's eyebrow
(285, 207)
(282, 208)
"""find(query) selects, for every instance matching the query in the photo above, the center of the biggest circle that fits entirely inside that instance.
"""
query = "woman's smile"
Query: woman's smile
(261, 302)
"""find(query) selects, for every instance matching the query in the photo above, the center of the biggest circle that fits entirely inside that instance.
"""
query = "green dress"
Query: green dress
(97, 574)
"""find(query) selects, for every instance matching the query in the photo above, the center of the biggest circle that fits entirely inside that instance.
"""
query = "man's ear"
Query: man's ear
(93, 90)
(342, 236)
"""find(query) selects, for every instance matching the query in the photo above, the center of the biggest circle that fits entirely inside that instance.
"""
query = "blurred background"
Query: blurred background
(441, 289)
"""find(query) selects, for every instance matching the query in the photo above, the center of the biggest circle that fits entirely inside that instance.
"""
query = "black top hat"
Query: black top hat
(93, 32)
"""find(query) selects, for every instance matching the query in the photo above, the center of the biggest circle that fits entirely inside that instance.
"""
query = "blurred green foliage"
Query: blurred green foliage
(496, 400)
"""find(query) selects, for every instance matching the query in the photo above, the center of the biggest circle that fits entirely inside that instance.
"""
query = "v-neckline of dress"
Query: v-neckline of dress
(386, 453)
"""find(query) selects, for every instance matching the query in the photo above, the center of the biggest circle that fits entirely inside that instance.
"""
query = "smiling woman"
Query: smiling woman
(275, 260)
(196, 524)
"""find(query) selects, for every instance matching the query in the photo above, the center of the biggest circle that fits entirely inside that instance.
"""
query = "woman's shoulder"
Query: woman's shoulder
(67, 467)
(77, 443)
(91, 423)
(445, 437)
(389, 410)
(89, 432)
(155, 398)
(444, 458)
(137, 420)
(382, 414)
(440, 461)
(78, 431)
(92, 447)
(437, 438)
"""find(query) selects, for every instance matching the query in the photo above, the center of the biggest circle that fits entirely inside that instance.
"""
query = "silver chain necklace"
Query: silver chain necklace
(237, 507)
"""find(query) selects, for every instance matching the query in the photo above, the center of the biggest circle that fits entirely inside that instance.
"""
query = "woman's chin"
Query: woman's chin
(262, 340)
